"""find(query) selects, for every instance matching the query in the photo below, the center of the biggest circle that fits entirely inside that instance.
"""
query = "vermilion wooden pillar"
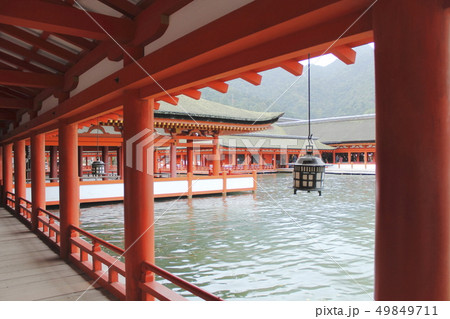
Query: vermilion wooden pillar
(69, 190)
(7, 171)
(80, 161)
(120, 162)
(173, 160)
(53, 163)
(155, 162)
(190, 157)
(1, 165)
(247, 160)
(105, 159)
(412, 250)
(138, 183)
(37, 177)
(19, 172)
(216, 156)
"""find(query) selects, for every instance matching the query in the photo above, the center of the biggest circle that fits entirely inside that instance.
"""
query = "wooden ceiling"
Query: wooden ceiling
(46, 44)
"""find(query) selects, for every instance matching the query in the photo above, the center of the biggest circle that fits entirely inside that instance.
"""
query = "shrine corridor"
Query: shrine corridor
(29, 270)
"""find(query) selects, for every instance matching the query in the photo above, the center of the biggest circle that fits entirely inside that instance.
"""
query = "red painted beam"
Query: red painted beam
(257, 46)
(194, 94)
(62, 19)
(151, 24)
(25, 90)
(38, 80)
(5, 66)
(272, 53)
(169, 99)
(251, 77)
(345, 54)
(39, 42)
(31, 55)
(153, 21)
(8, 115)
(293, 67)
(123, 6)
(11, 92)
(85, 63)
(11, 103)
(219, 86)
(21, 63)
(82, 43)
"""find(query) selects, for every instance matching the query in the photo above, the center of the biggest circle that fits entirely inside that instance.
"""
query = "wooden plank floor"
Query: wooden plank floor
(29, 270)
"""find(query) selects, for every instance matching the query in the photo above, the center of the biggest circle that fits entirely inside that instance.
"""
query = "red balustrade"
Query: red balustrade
(48, 226)
(152, 288)
(94, 258)
(25, 210)
(98, 264)
(10, 201)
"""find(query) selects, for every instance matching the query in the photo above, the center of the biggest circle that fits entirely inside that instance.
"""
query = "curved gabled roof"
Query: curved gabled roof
(205, 110)
(348, 129)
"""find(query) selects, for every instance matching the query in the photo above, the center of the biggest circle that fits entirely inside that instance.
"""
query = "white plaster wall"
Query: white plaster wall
(170, 187)
(25, 118)
(96, 73)
(51, 193)
(239, 182)
(101, 191)
(193, 16)
(105, 191)
(207, 185)
(48, 104)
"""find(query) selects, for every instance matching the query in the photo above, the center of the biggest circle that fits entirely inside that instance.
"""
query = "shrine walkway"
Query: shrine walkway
(29, 270)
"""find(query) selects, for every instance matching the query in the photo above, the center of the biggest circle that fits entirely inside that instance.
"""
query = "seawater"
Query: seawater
(271, 245)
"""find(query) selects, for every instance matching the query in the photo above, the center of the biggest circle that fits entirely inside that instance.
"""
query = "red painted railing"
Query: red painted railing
(48, 225)
(25, 210)
(98, 264)
(151, 287)
(10, 200)
(106, 270)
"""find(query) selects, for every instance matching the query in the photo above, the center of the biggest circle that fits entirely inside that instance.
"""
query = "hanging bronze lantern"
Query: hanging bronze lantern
(98, 168)
(309, 172)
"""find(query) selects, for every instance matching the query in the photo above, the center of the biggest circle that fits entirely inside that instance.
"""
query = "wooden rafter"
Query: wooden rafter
(5, 66)
(31, 55)
(21, 63)
(13, 93)
(8, 115)
(345, 54)
(63, 19)
(39, 42)
(38, 80)
(82, 43)
(15, 103)
(239, 49)
(123, 6)
(25, 90)
(251, 77)
(152, 22)
(292, 66)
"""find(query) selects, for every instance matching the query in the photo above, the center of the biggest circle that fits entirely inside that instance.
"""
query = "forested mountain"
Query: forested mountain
(336, 90)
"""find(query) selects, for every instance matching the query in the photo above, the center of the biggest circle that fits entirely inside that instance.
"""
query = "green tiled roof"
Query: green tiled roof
(204, 110)
(249, 141)
(336, 130)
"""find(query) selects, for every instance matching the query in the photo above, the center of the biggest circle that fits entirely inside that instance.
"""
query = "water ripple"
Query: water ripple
(272, 245)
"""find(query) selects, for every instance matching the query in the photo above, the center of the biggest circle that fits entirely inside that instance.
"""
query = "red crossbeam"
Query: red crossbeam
(64, 19)
(38, 80)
